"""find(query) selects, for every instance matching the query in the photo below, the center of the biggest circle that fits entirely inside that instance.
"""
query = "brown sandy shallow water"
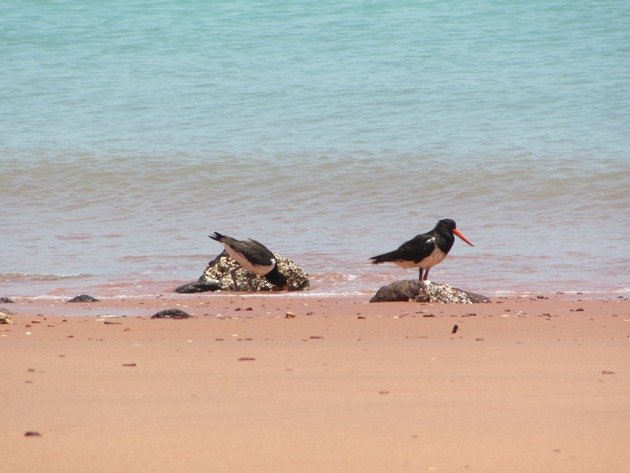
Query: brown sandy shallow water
(338, 385)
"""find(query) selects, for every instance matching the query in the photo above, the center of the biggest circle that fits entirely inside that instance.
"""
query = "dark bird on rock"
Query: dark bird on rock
(254, 257)
(426, 250)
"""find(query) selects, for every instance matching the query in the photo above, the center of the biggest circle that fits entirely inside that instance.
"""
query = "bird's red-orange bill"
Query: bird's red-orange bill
(462, 236)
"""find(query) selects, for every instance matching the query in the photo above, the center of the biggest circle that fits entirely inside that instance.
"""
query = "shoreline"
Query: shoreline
(333, 285)
(275, 384)
(61, 305)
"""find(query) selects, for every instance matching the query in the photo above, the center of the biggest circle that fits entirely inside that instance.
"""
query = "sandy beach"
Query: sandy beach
(275, 384)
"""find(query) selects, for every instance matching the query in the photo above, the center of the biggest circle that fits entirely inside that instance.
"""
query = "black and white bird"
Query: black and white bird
(426, 250)
(254, 257)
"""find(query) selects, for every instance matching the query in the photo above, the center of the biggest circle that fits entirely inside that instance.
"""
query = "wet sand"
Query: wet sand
(337, 385)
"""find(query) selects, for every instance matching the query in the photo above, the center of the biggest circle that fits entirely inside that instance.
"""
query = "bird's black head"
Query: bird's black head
(276, 278)
(447, 224)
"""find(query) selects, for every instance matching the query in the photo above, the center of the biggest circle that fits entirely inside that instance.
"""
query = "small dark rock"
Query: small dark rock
(455, 329)
(32, 433)
(6, 300)
(246, 358)
(83, 298)
(198, 287)
(171, 314)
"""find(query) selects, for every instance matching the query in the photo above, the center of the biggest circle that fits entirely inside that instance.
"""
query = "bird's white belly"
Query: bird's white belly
(244, 262)
(434, 258)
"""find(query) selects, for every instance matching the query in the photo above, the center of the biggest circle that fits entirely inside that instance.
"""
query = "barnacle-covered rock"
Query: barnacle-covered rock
(426, 292)
(223, 273)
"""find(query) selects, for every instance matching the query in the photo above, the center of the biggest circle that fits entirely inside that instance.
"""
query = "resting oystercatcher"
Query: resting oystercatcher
(426, 250)
(254, 257)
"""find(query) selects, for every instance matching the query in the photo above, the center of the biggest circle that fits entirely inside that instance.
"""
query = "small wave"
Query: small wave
(25, 277)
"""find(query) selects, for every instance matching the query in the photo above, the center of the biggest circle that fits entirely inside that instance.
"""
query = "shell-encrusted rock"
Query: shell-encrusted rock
(226, 274)
(4, 318)
(426, 292)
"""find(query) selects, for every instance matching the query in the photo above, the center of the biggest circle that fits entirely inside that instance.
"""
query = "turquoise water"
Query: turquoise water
(330, 130)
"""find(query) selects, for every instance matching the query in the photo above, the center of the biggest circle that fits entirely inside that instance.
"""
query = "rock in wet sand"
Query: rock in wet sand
(84, 298)
(171, 314)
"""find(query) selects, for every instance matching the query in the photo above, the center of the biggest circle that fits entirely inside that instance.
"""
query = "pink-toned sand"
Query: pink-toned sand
(344, 386)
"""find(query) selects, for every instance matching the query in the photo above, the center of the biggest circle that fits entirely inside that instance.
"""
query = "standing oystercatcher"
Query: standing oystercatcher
(426, 250)
(254, 257)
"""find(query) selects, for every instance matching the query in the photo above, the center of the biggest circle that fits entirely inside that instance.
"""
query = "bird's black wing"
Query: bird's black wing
(255, 252)
(259, 253)
(416, 249)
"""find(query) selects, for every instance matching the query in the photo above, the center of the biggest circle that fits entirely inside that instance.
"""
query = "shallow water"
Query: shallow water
(331, 132)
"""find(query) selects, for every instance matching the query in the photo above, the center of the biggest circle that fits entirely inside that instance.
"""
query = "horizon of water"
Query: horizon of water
(329, 131)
